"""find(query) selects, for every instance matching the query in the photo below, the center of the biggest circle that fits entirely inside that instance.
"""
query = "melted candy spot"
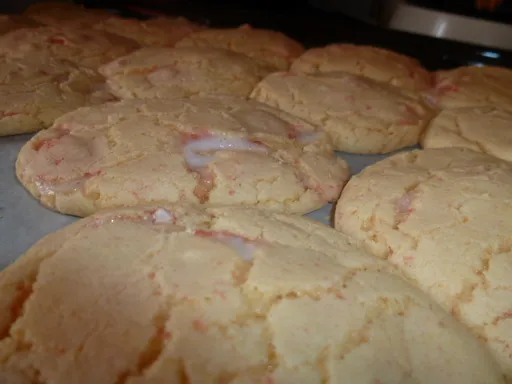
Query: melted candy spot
(195, 160)
(243, 246)
(161, 216)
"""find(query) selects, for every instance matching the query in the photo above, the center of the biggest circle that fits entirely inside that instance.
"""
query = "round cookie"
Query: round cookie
(361, 115)
(373, 62)
(198, 150)
(87, 48)
(482, 129)
(270, 47)
(444, 217)
(65, 14)
(158, 31)
(176, 294)
(473, 87)
(35, 90)
(156, 72)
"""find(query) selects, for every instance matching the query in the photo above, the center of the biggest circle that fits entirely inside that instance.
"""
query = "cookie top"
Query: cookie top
(482, 129)
(222, 295)
(35, 90)
(473, 87)
(443, 216)
(88, 48)
(179, 72)
(360, 114)
(268, 46)
(199, 150)
(10, 23)
(373, 62)
(159, 31)
(65, 14)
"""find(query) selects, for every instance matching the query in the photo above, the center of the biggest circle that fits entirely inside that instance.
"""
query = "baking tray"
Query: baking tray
(24, 220)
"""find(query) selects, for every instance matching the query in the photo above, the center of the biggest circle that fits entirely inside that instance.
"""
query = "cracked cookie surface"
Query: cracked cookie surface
(270, 47)
(180, 294)
(35, 90)
(157, 72)
(373, 62)
(200, 150)
(158, 31)
(360, 114)
(482, 129)
(65, 14)
(84, 47)
(444, 217)
(473, 87)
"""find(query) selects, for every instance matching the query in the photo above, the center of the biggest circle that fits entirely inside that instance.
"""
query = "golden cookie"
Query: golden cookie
(373, 62)
(270, 47)
(361, 115)
(200, 150)
(179, 72)
(444, 216)
(175, 294)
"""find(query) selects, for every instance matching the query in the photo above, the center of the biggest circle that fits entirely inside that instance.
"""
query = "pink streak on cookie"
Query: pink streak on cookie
(403, 207)
(51, 187)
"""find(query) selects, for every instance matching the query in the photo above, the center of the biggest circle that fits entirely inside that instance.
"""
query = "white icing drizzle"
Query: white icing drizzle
(162, 216)
(211, 144)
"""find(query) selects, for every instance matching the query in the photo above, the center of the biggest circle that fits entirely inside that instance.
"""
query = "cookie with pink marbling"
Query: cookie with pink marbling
(444, 217)
(181, 294)
(473, 87)
(373, 62)
(200, 150)
(361, 115)
(158, 72)
(271, 47)
(158, 31)
(84, 47)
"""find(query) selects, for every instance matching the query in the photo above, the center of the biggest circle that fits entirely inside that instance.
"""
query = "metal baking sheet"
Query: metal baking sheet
(23, 220)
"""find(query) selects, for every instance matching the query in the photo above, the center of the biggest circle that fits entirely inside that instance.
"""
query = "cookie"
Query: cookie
(443, 217)
(270, 47)
(373, 62)
(176, 294)
(10, 23)
(87, 48)
(473, 87)
(159, 31)
(198, 150)
(34, 91)
(156, 72)
(65, 14)
(482, 129)
(361, 115)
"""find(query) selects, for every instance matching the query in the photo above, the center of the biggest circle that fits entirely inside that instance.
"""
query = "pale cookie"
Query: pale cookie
(361, 115)
(66, 15)
(87, 48)
(373, 62)
(444, 216)
(181, 72)
(199, 150)
(34, 91)
(482, 129)
(473, 87)
(175, 294)
(159, 31)
(268, 46)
